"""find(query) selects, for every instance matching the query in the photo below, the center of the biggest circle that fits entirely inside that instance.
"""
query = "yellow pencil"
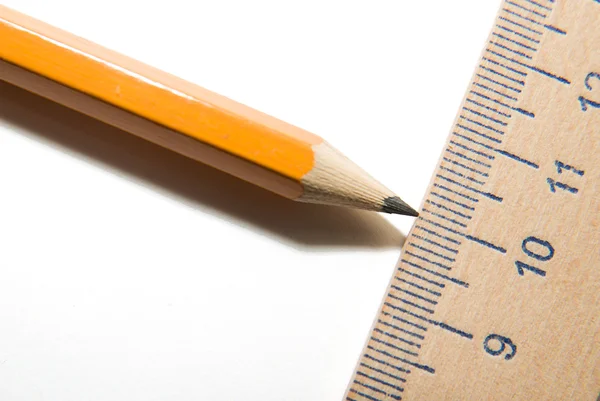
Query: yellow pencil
(184, 117)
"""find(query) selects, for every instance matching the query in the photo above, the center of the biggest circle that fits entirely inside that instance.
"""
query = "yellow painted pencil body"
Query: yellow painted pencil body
(183, 117)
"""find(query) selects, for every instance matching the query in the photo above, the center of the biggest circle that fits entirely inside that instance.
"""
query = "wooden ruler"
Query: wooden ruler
(497, 293)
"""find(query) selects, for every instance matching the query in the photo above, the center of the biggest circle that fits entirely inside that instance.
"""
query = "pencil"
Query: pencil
(184, 117)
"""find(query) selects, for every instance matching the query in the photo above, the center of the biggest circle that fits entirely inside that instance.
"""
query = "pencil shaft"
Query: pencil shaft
(156, 96)
(183, 117)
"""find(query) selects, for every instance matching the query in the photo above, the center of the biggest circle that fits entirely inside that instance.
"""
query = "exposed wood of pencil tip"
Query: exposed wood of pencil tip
(184, 117)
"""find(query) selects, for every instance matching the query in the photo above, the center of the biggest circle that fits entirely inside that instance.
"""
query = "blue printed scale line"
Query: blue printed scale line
(428, 265)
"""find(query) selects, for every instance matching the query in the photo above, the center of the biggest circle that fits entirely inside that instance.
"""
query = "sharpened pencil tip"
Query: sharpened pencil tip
(395, 205)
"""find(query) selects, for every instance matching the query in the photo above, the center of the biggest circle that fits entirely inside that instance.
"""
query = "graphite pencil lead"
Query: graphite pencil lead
(395, 205)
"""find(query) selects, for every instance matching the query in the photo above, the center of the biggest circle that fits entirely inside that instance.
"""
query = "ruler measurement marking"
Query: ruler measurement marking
(420, 287)
(517, 109)
(408, 342)
(469, 139)
(410, 333)
(486, 243)
(515, 80)
(454, 192)
(439, 255)
(370, 387)
(516, 42)
(491, 100)
(441, 216)
(455, 251)
(503, 76)
(463, 166)
(403, 330)
(407, 302)
(440, 206)
(555, 29)
(452, 329)
(518, 158)
(467, 236)
(387, 354)
(412, 294)
(408, 362)
(368, 397)
(486, 194)
(443, 266)
(511, 69)
(380, 381)
(499, 83)
(518, 53)
(396, 397)
(496, 84)
(521, 26)
(495, 91)
(418, 326)
(474, 122)
(401, 319)
(454, 202)
(513, 13)
(524, 112)
(398, 368)
(539, 5)
(526, 9)
(517, 33)
(438, 225)
(434, 273)
(458, 154)
(392, 346)
(456, 173)
(500, 151)
(533, 68)
(415, 275)
(483, 115)
(477, 152)
(383, 372)
(436, 323)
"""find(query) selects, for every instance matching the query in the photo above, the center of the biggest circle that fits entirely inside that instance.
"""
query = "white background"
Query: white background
(130, 273)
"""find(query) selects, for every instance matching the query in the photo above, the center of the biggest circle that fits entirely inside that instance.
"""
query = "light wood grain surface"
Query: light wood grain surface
(497, 294)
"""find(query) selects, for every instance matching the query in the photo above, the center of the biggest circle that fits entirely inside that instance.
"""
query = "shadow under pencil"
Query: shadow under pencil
(199, 186)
